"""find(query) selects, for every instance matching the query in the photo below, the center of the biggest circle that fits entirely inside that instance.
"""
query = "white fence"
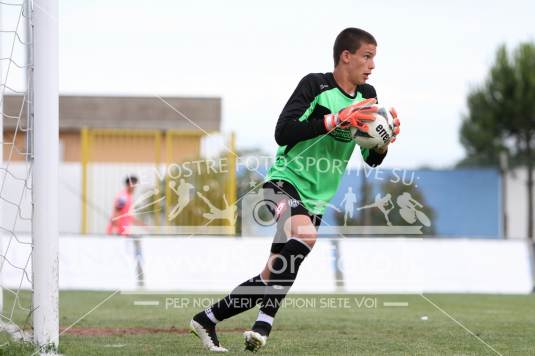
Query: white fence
(105, 180)
(219, 263)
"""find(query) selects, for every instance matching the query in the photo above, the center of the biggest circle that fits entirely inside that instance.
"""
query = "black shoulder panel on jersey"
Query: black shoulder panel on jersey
(367, 91)
(289, 129)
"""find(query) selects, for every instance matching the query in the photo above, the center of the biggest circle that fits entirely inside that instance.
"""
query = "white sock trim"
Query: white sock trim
(211, 316)
(265, 318)
(301, 241)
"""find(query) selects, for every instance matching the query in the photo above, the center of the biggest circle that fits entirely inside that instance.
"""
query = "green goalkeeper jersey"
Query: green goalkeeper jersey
(309, 157)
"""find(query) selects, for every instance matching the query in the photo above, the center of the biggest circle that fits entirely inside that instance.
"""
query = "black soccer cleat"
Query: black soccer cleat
(204, 329)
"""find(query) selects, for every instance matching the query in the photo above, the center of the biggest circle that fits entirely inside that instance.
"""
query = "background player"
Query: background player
(123, 217)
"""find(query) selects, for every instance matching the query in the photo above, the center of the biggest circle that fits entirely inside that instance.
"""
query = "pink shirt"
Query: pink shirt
(124, 218)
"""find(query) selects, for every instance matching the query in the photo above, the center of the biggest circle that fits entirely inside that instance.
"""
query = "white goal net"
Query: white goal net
(15, 173)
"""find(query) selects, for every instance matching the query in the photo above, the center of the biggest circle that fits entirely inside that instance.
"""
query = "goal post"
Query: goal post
(45, 173)
(1, 169)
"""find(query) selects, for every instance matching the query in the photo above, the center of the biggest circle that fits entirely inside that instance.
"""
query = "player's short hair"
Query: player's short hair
(130, 180)
(351, 39)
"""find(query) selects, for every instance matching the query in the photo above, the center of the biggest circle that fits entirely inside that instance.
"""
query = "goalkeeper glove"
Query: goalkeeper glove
(354, 115)
(395, 132)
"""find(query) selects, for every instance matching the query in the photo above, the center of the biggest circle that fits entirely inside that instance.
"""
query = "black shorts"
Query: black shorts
(288, 203)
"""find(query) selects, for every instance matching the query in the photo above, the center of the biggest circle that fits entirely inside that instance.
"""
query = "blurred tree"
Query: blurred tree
(501, 116)
(365, 217)
(396, 190)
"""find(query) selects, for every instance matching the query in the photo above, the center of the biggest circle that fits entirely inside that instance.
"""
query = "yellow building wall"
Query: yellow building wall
(114, 146)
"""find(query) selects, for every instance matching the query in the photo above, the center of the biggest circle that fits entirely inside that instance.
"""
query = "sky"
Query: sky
(252, 54)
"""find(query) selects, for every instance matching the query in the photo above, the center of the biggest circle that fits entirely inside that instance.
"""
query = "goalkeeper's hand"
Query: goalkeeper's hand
(395, 132)
(355, 115)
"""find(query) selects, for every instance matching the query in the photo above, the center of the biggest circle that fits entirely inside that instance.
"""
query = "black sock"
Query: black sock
(244, 297)
(203, 319)
(283, 274)
(262, 327)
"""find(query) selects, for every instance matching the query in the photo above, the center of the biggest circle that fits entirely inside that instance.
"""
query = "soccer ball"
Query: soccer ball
(379, 131)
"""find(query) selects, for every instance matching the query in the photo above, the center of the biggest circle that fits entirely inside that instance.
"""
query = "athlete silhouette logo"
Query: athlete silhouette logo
(350, 199)
(384, 204)
(145, 200)
(229, 213)
(183, 196)
(409, 212)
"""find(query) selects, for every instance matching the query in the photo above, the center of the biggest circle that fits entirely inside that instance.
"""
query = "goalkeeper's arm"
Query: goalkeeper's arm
(289, 129)
(292, 128)
(373, 157)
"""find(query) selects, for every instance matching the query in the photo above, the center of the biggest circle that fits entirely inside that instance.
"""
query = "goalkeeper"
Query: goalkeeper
(313, 127)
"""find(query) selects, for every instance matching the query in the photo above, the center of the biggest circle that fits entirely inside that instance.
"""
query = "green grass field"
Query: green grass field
(325, 325)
